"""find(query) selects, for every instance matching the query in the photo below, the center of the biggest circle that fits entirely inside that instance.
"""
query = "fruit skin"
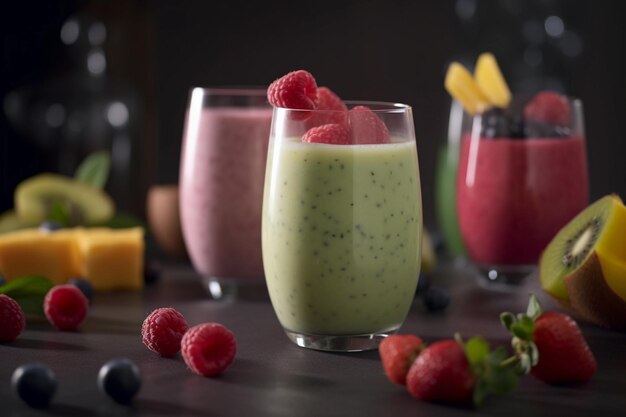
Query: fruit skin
(334, 133)
(295, 90)
(35, 384)
(10, 221)
(442, 373)
(328, 100)
(462, 86)
(208, 349)
(85, 204)
(564, 356)
(120, 379)
(65, 307)
(366, 127)
(12, 319)
(549, 107)
(163, 330)
(436, 298)
(397, 353)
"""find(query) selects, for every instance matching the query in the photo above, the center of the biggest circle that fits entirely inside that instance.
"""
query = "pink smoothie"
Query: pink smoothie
(221, 186)
(519, 195)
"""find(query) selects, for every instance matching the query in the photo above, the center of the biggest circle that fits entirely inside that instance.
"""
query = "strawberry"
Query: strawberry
(397, 353)
(442, 373)
(550, 345)
(366, 127)
(548, 107)
(332, 133)
(564, 355)
(295, 90)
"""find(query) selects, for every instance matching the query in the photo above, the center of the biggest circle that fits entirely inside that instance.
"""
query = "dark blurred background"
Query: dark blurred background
(76, 76)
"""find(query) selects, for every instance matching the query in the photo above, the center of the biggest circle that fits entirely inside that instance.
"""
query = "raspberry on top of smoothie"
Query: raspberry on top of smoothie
(332, 123)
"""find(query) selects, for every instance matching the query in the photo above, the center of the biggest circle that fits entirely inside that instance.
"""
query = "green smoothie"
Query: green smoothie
(341, 235)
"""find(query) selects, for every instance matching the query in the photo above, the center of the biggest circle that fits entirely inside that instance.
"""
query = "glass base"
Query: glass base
(504, 277)
(231, 289)
(349, 343)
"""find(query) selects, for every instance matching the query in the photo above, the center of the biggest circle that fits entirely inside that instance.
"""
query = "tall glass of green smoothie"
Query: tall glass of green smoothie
(342, 223)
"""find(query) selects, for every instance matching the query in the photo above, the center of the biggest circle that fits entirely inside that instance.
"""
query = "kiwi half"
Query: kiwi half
(584, 266)
(83, 203)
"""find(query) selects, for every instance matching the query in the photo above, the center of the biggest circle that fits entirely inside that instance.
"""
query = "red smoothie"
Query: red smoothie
(221, 184)
(514, 195)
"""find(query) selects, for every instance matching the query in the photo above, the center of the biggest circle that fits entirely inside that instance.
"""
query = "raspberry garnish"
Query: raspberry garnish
(337, 112)
(208, 348)
(548, 107)
(163, 330)
(296, 90)
(66, 307)
(366, 127)
(12, 319)
(334, 133)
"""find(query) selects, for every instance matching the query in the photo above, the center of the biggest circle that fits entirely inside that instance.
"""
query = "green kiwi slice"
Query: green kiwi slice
(574, 243)
(43, 196)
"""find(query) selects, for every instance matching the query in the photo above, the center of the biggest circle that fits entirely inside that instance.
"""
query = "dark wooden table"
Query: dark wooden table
(273, 377)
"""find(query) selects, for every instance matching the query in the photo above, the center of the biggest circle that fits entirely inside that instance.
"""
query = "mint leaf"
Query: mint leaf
(507, 319)
(29, 292)
(94, 170)
(58, 213)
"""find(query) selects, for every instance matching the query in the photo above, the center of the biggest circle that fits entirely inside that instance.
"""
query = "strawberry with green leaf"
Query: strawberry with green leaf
(550, 346)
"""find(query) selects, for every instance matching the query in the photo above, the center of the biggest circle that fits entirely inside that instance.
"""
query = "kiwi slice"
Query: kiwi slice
(56, 197)
(584, 266)
(9, 221)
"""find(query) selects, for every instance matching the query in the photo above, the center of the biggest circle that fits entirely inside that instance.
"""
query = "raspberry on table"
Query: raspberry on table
(296, 90)
(65, 307)
(366, 127)
(12, 319)
(163, 330)
(209, 348)
(333, 133)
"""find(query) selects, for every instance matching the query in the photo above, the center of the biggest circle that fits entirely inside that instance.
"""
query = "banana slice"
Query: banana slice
(461, 85)
(491, 81)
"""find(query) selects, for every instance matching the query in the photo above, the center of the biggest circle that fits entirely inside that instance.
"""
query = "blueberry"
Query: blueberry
(84, 286)
(50, 226)
(495, 124)
(120, 379)
(436, 298)
(422, 284)
(151, 273)
(35, 384)
(2, 280)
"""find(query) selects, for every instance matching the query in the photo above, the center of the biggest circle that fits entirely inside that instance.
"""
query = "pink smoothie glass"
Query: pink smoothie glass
(221, 184)
(518, 184)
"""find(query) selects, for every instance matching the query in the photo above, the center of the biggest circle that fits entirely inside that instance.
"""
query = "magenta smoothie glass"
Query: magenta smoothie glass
(519, 182)
(221, 185)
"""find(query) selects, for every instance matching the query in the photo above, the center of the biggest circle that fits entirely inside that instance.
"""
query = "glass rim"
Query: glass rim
(375, 106)
(231, 90)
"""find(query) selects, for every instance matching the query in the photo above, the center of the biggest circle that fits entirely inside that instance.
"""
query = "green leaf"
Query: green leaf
(58, 213)
(534, 308)
(476, 350)
(507, 319)
(29, 291)
(94, 170)
(524, 327)
(122, 221)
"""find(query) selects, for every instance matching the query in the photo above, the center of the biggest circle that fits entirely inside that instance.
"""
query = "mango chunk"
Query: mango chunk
(55, 256)
(491, 81)
(113, 258)
(461, 85)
